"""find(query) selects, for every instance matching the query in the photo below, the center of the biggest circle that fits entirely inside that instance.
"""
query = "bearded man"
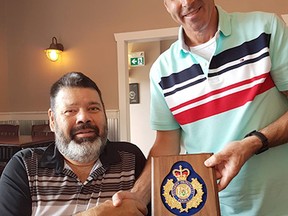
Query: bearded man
(81, 171)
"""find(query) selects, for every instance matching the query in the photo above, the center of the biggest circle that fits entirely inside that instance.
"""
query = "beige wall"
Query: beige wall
(86, 29)
(140, 113)
(4, 97)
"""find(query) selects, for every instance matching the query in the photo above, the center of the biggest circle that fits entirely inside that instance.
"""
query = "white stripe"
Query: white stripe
(222, 81)
(220, 95)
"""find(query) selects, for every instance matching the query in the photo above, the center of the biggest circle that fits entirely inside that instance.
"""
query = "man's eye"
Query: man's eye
(94, 108)
(68, 111)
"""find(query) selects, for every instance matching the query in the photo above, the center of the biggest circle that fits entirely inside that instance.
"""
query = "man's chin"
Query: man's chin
(80, 140)
(84, 152)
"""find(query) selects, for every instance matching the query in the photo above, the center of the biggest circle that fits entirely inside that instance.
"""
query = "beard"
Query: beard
(82, 150)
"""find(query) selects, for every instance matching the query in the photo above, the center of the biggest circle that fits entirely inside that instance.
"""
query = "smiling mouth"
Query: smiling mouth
(191, 12)
(85, 133)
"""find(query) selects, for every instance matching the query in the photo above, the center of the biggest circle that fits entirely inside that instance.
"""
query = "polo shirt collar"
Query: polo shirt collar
(224, 25)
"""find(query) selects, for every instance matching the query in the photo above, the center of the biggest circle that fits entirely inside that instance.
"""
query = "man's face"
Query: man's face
(80, 124)
(193, 15)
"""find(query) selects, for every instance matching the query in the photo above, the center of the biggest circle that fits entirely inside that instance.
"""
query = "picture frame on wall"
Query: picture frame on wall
(134, 93)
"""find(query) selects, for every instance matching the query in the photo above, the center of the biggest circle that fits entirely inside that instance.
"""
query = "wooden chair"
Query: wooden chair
(9, 130)
(42, 130)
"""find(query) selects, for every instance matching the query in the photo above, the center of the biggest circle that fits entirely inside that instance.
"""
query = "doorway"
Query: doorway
(122, 40)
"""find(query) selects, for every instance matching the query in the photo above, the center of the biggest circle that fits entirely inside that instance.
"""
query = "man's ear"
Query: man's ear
(51, 120)
(165, 4)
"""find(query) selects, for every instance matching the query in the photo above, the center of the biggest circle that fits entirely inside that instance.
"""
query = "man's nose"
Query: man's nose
(186, 3)
(83, 117)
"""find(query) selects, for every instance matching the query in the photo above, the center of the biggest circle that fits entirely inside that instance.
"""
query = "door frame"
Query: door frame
(122, 40)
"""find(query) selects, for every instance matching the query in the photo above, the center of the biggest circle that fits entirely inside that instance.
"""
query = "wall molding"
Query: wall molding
(41, 115)
(27, 119)
(15, 116)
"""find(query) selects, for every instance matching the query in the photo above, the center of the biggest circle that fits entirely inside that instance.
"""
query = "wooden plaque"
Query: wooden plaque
(182, 185)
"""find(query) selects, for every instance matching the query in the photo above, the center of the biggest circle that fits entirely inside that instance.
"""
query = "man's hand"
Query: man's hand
(121, 195)
(128, 207)
(229, 161)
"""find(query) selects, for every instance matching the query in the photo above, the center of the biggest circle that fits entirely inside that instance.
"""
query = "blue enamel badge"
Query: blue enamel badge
(183, 191)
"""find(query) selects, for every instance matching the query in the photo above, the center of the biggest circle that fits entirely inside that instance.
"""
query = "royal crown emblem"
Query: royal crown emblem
(183, 192)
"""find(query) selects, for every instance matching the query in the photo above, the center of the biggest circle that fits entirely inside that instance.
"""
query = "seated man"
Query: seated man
(82, 170)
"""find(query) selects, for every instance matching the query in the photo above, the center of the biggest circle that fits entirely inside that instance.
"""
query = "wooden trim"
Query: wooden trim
(41, 115)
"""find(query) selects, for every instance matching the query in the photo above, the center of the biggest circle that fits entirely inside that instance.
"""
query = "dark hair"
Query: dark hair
(72, 79)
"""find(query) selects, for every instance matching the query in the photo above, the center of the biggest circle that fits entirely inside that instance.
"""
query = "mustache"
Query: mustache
(190, 8)
(82, 127)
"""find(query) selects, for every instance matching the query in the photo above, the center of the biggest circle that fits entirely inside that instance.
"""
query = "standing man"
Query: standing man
(222, 88)
(82, 170)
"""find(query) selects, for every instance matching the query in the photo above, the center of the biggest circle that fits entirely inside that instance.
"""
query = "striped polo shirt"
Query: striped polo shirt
(38, 182)
(245, 74)
(221, 99)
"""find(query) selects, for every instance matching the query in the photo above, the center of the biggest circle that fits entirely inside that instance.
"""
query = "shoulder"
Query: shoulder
(124, 146)
(29, 153)
(255, 18)
(124, 154)
(115, 152)
(169, 60)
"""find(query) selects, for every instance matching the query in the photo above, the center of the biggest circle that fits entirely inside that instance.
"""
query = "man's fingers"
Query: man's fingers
(121, 196)
(142, 208)
(211, 161)
(223, 183)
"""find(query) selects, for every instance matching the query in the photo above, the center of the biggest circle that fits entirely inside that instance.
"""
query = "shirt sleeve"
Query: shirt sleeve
(161, 117)
(15, 198)
(278, 51)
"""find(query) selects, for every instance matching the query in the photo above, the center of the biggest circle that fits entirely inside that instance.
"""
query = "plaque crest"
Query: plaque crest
(183, 191)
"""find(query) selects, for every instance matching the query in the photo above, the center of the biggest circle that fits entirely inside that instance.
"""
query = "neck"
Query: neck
(194, 37)
(82, 170)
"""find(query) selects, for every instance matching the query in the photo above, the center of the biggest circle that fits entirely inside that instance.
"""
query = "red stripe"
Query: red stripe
(218, 91)
(225, 103)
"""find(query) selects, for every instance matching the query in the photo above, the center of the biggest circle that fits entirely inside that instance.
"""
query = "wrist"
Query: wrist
(260, 143)
(142, 195)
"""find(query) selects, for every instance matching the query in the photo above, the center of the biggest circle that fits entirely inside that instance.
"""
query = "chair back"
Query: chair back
(41, 130)
(9, 130)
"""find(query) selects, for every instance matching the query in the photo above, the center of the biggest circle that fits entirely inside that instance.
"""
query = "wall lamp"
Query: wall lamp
(54, 50)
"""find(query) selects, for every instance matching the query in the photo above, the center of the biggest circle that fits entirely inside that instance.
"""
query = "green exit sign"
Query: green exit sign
(137, 59)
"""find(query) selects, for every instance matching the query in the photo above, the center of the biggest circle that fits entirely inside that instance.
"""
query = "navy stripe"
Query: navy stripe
(238, 52)
(230, 55)
(183, 87)
(180, 77)
(249, 61)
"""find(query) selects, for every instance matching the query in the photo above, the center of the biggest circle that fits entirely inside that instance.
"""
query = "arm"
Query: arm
(166, 143)
(229, 161)
(15, 198)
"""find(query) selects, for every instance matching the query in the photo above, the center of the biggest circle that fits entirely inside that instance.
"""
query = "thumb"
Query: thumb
(121, 195)
(211, 161)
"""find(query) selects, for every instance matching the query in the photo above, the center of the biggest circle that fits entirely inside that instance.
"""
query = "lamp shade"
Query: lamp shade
(54, 50)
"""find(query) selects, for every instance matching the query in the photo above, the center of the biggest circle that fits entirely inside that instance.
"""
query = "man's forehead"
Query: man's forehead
(76, 91)
(77, 95)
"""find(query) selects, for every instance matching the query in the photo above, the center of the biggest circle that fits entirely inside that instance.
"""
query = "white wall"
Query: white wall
(141, 133)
